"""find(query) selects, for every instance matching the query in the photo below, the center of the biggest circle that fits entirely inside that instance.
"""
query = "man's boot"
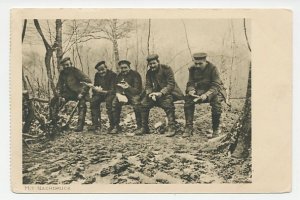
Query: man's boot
(116, 118)
(116, 130)
(138, 118)
(188, 132)
(111, 122)
(81, 119)
(95, 120)
(144, 129)
(171, 123)
(216, 124)
(189, 118)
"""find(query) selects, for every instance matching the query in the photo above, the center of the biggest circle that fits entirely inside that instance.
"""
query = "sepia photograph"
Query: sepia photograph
(139, 101)
(136, 101)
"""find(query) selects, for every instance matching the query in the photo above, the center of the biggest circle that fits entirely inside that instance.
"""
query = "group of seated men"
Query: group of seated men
(204, 86)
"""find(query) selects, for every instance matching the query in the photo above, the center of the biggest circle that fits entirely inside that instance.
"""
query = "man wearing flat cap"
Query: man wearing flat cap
(204, 86)
(129, 87)
(103, 91)
(70, 88)
(161, 90)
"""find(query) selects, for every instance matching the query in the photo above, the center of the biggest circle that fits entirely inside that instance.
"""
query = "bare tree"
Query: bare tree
(137, 45)
(238, 142)
(149, 34)
(242, 128)
(49, 53)
(112, 30)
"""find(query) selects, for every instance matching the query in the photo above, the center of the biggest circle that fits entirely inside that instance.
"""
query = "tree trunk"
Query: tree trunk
(48, 56)
(242, 145)
(115, 44)
(58, 41)
(23, 36)
(149, 34)
(24, 30)
(137, 45)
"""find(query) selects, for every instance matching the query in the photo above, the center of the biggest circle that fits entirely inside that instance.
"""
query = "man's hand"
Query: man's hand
(61, 100)
(203, 97)
(152, 96)
(98, 89)
(192, 92)
(155, 95)
(158, 94)
(123, 85)
(80, 96)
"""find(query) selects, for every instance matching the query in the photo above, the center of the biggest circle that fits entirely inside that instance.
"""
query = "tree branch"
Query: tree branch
(186, 37)
(246, 36)
(38, 28)
(24, 30)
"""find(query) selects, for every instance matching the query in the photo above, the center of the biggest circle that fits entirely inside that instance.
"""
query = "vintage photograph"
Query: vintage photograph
(136, 101)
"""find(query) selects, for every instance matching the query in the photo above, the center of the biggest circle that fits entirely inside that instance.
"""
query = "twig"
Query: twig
(40, 100)
(31, 136)
(30, 86)
(187, 40)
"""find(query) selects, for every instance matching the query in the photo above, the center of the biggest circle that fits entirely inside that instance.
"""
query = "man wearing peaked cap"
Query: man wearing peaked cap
(161, 90)
(103, 91)
(198, 56)
(65, 60)
(70, 88)
(204, 86)
(152, 57)
(99, 64)
(124, 62)
(128, 84)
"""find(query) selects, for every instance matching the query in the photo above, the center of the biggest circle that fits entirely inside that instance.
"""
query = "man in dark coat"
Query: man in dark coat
(204, 86)
(161, 90)
(128, 90)
(70, 88)
(103, 91)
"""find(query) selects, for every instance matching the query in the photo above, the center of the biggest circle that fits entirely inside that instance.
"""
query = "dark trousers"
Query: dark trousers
(133, 100)
(164, 102)
(215, 102)
(95, 108)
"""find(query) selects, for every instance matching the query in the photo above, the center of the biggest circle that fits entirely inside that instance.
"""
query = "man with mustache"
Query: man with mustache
(204, 86)
(128, 90)
(161, 90)
(103, 91)
(70, 88)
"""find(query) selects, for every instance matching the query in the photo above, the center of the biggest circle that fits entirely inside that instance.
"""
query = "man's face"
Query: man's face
(67, 64)
(153, 64)
(124, 68)
(64, 65)
(102, 70)
(201, 63)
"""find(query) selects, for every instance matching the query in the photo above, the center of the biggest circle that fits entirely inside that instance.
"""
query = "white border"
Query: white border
(5, 191)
